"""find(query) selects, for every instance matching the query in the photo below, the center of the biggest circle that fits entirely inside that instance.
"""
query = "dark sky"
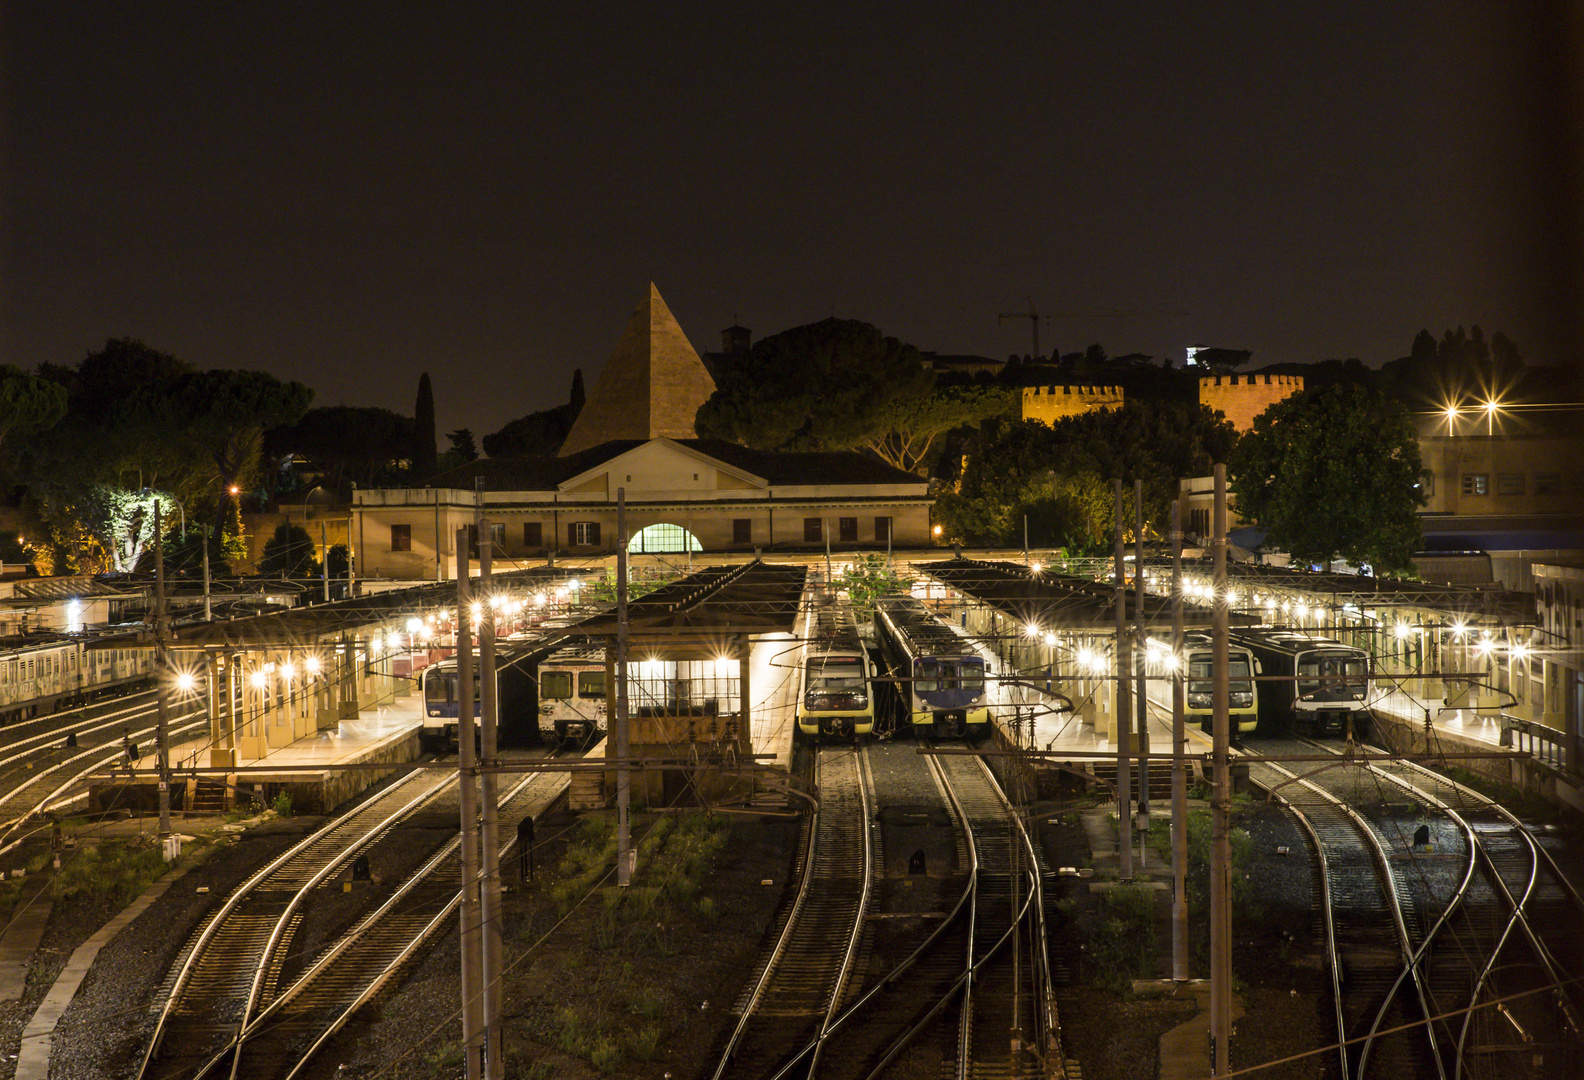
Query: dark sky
(350, 194)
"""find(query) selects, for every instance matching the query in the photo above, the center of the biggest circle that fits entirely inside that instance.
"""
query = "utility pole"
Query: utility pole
(489, 845)
(1141, 701)
(324, 565)
(1180, 965)
(467, 774)
(1221, 799)
(161, 684)
(624, 853)
(1123, 711)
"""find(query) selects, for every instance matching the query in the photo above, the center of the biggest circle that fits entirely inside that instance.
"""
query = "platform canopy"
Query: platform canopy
(298, 626)
(1502, 606)
(718, 601)
(1055, 601)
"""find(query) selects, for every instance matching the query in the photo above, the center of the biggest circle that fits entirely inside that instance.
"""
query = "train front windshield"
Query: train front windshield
(440, 688)
(555, 685)
(591, 684)
(1334, 677)
(959, 676)
(835, 682)
(1201, 685)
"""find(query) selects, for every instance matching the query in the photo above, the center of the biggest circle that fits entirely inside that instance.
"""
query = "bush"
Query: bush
(283, 804)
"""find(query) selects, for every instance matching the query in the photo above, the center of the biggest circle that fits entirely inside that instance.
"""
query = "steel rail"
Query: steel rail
(363, 930)
(1417, 957)
(212, 927)
(1328, 914)
(53, 797)
(805, 875)
(1518, 919)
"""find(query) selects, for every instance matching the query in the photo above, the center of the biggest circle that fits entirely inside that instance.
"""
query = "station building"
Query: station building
(683, 494)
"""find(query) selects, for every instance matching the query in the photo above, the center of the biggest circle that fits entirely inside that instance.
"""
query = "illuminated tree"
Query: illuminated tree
(1331, 473)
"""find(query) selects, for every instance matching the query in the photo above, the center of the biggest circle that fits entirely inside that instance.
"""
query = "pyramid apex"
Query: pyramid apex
(651, 386)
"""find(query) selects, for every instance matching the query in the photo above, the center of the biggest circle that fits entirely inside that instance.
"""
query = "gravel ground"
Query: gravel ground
(680, 979)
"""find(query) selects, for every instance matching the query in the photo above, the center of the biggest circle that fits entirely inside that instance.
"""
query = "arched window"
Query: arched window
(663, 539)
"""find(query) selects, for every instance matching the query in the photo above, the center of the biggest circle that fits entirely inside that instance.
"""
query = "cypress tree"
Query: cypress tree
(425, 461)
(577, 393)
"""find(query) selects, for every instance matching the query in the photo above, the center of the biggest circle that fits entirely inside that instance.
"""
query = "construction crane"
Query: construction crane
(1034, 317)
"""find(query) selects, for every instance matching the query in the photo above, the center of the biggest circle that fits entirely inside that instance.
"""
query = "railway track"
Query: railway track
(294, 1022)
(971, 997)
(789, 1004)
(231, 965)
(40, 771)
(1505, 977)
(1459, 911)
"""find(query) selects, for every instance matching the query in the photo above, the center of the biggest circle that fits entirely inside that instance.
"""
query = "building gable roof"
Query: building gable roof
(772, 468)
(652, 386)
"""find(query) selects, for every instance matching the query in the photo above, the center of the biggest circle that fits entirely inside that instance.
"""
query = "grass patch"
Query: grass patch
(108, 874)
(666, 899)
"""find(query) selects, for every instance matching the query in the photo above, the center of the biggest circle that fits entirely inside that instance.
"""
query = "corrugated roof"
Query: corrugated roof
(754, 598)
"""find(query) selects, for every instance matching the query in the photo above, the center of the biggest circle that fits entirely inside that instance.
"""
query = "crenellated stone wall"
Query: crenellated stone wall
(1243, 397)
(1048, 404)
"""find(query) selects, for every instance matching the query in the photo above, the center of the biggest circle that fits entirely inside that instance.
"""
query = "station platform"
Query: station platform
(315, 770)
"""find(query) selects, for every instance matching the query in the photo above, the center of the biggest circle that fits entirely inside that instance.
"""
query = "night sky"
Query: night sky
(348, 195)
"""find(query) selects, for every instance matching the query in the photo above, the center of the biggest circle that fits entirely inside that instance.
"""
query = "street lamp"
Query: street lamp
(1490, 417)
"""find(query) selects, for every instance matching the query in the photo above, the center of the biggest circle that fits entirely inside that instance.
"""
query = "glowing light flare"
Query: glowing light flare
(1031, 630)
(539, 599)
(1460, 629)
(1050, 639)
(259, 679)
(1400, 631)
(311, 665)
(186, 682)
(936, 531)
(1520, 652)
(1036, 568)
(414, 625)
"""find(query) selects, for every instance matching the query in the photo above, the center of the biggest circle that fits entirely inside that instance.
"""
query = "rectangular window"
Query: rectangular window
(1476, 483)
(556, 685)
(591, 684)
(533, 534)
(401, 537)
(813, 530)
(883, 530)
(1510, 483)
(742, 530)
(583, 534)
(497, 537)
(1548, 483)
(847, 530)
(1427, 483)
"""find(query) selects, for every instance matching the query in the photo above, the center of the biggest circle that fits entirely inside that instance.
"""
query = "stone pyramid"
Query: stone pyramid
(651, 386)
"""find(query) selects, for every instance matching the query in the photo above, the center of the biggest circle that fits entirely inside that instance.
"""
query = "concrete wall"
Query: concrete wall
(1243, 397)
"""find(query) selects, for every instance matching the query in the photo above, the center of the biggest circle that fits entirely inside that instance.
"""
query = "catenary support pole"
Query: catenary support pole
(324, 563)
(1140, 653)
(161, 681)
(1181, 969)
(467, 773)
(1221, 799)
(1122, 712)
(624, 853)
(208, 609)
(489, 802)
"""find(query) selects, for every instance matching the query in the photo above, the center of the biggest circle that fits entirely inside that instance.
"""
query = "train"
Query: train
(1312, 685)
(1198, 692)
(516, 698)
(43, 673)
(939, 675)
(572, 695)
(835, 697)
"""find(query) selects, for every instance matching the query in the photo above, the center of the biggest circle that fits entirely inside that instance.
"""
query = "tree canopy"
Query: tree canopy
(830, 385)
(425, 458)
(1060, 476)
(538, 434)
(1333, 472)
(28, 403)
(346, 443)
(289, 552)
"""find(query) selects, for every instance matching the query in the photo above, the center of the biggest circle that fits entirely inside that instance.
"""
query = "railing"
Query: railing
(1544, 743)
